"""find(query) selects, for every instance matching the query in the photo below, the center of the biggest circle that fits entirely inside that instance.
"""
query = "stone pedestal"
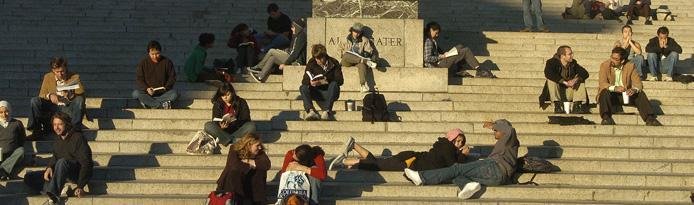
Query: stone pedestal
(394, 79)
(381, 9)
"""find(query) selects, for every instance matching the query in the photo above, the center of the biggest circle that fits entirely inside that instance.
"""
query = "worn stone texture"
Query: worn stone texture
(394, 79)
(392, 9)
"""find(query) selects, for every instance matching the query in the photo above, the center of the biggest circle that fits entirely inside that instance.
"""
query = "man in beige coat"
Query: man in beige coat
(618, 78)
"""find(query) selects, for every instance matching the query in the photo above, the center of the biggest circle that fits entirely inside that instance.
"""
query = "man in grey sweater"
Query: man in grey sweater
(497, 169)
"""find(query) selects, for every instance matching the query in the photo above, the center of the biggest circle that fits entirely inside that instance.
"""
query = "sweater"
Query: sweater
(195, 63)
(12, 136)
(318, 170)
(442, 154)
(297, 49)
(74, 148)
(332, 73)
(243, 113)
(653, 46)
(154, 75)
(280, 25)
(231, 178)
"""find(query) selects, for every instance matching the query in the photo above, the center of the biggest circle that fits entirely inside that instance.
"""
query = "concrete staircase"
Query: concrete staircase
(140, 153)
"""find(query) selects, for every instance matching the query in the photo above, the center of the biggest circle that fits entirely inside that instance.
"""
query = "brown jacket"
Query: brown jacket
(49, 84)
(630, 79)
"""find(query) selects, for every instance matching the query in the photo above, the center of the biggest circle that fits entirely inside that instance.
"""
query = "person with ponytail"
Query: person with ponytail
(310, 160)
(245, 172)
(237, 122)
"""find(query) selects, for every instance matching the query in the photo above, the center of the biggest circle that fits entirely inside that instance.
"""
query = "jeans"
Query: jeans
(536, 7)
(13, 163)
(276, 42)
(324, 95)
(486, 172)
(666, 66)
(62, 171)
(246, 56)
(229, 135)
(41, 109)
(272, 58)
(610, 101)
(638, 63)
(315, 189)
(155, 101)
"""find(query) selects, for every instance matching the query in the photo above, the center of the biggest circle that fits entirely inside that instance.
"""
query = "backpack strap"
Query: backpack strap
(530, 182)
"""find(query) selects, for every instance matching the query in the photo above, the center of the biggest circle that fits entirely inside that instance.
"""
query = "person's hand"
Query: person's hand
(488, 125)
(465, 150)
(294, 166)
(54, 98)
(638, 2)
(223, 124)
(79, 192)
(315, 83)
(619, 89)
(631, 92)
(281, 66)
(150, 91)
(441, 56)
(48, 174)
(251, 163)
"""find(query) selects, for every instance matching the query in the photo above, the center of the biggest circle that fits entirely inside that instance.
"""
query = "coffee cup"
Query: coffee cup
(567, 107)
(625, 97)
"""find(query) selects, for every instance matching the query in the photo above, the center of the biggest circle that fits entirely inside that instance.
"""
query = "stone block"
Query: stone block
(398, 41)
(392, 80)
(391, 9)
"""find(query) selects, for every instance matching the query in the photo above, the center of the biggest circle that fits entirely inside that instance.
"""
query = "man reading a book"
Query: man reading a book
(61, 91)
(155, 79)
(321, 82)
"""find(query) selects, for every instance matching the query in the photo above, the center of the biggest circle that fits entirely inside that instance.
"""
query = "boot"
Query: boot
(579, 108)
(558, 108)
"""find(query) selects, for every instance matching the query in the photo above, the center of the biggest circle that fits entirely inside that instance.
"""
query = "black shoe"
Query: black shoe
(608, 121)
(649, 22)
(653, 122)
(464, 74)
(256, 78)
(558, 108)
(629, 22)
(579, 108)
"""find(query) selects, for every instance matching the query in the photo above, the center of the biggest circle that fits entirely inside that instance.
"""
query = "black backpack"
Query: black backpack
(375, 108)
(528, 164)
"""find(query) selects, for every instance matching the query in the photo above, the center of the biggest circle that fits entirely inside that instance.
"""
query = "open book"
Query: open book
(452, 52)
(369, 63)
(159, 90)
(314, 77)
(227, 118)
(73, 86)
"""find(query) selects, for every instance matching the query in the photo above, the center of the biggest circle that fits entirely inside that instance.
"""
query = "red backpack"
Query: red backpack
(220, 198)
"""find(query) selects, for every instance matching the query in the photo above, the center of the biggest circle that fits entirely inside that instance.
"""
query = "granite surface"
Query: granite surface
(393, 9)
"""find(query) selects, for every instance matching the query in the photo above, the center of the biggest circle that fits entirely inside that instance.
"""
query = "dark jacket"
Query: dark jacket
(332, 73)
(12, 136)
(297, 49)
(553, 69)
(280, 25)
(74, 148)
(442, 154)
(154, 75)
(654, 47)
(238, 177)
(243, 113)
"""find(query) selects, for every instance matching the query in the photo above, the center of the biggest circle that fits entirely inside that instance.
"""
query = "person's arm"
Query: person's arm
(217, 110)
(287, 158)
(171, 78)
(43, 92)
(338, 74)
(581, 73)
(672, 46)
(84, 156)
(429, 56)
(22, 134)
(262, 162)
(551, 73)
(299, 46)
(447, 153)
(306, 80)
(244, 114)
(318, 170)
(652, 46)
(140, 77)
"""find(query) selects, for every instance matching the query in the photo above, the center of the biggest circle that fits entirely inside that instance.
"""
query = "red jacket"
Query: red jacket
(318, 170)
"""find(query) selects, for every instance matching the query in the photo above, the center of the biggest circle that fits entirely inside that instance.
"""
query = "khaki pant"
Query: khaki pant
(349, 59)
(561, 93)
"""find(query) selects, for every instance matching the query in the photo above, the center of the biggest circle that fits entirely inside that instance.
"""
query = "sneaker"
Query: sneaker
(608, 121)
(325, 115)
(364, 89)
(651, 78)
(371, 64)
(525, 30)
(667, 78)
(50, 202)
(413, 176)
(469, 190)
(653, 122)
(143, 105)
(312, 116)
(349, 146)
(463, 74)
(253, 69)
(336, 162)
(166, 105)
(256, 78)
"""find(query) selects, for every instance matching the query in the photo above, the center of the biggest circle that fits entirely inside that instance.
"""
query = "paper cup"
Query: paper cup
(625, 97)
(567, 107)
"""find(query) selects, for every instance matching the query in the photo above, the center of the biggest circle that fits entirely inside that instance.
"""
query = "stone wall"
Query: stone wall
(392, 9)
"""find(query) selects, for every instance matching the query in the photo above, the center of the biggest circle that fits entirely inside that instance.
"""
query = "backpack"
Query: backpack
(202, 143)
(220, 198)
(528, 164)
(293, 182)
(375, 108)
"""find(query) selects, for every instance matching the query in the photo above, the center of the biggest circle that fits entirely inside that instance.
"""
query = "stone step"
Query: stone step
(537, 89)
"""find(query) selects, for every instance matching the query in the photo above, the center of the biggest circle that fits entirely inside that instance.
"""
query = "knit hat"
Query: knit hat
(299, 23)
(357, 27)
(7, 106)
(452, 134)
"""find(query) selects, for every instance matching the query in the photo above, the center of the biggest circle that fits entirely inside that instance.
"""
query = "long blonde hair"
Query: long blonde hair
(243, 146)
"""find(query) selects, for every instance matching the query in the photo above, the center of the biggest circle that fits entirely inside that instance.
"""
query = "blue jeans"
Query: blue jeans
(486, 172)
(276, 42)
(155, 101)
(324, 95)
(638, 63)
(41, 109)
(229, 135)
(536, 7)
(13, 162)
(62, 171)
(665, 66)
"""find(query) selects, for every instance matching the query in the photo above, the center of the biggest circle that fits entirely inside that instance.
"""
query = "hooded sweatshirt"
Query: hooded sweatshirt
(505, 152)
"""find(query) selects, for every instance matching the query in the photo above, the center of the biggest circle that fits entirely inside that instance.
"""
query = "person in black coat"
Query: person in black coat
(663, 53)
(565, 82)
(323, 84)
(245, 172)
(444, 152)
(231, 117)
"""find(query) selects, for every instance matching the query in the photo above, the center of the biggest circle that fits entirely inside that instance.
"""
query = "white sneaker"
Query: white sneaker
(413, 176)
(651, 78)
(349, 145)
(337, 161)
(364, 89)
(325, 115)
(311, 116)
(253, 69)
(667, 78)
(469, 190)
(371, 64)
(256, 78)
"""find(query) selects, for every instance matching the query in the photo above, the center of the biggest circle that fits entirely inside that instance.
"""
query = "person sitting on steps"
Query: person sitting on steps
(359, 50)
(231, 117)
(323, 84)
(278, 33)
(444, 152)
(638, 8)
(246, 46)
(663, 53)
(12, 137)
(245, 172)
(565, 82)
(497, 169)
(295, 54)
(194, 67)
(633, 49)
(155, 78)
(618, 78)
(435, 57)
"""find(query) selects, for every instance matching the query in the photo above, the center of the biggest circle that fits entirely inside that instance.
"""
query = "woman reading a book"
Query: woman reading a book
(452, 59)
(359, 50)
(231, 117)
(245, 172)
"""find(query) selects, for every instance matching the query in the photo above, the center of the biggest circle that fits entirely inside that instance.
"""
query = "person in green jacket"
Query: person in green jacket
(195, 64)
